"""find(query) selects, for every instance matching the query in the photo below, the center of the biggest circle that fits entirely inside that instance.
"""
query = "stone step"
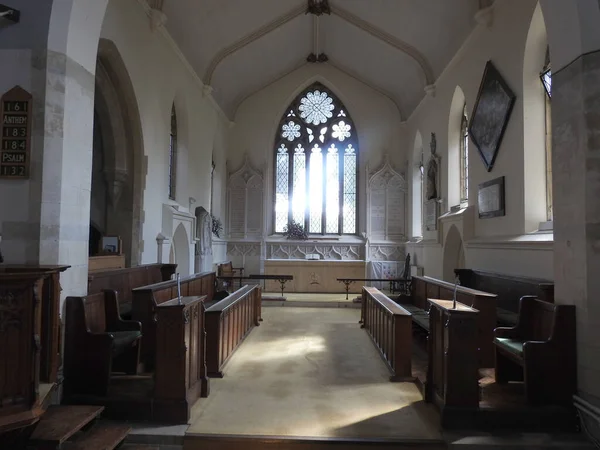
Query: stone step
(60, 422)
(103, 436)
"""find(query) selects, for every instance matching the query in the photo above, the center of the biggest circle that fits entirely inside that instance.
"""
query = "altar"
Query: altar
(314, 276)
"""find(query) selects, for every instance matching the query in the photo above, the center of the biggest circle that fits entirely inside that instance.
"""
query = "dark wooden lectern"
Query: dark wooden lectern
(180, 376)
(452, 375)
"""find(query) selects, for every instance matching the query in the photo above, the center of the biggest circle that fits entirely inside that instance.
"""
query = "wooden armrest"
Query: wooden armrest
(506, 332)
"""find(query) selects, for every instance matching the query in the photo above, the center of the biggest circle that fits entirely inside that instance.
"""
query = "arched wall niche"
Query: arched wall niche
(454, 254)
(534, 123)
(181, 247)
(417, 186)
(453, 159)
(117, 111)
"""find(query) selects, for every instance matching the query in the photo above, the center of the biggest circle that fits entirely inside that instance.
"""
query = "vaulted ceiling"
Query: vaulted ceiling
(396, 46)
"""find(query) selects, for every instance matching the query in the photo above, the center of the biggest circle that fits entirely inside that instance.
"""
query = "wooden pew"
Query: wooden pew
(424, 288)
(509, 290)
(228, 322)
(541, 351)
(390, 328)
(124, 280)
(145, 299)
(97, 343)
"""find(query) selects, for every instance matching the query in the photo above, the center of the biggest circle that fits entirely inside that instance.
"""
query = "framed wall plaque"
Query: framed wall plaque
(492, 110)
(15, 136)
(490, 199)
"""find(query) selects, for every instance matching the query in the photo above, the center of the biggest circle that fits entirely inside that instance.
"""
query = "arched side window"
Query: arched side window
(464, 156)
(546, 78)
(173, 155)
(316, 166)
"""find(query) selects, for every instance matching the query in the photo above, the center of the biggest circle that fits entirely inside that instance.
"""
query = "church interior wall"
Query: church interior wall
(160, 79)
(503, 42)
(376, 117)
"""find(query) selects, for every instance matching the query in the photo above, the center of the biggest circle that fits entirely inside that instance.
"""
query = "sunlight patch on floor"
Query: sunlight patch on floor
(312, 372)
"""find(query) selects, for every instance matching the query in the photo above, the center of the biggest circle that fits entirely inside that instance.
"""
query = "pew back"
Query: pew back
(390, 328)
(145, 299)
(228, 322)
(124, 280)
(508, 288)
(95, 315)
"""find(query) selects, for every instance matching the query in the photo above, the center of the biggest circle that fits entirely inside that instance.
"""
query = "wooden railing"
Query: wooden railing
(228, 322)
(390, 327)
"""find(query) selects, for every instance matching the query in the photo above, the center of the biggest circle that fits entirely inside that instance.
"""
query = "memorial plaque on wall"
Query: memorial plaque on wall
(15, 139)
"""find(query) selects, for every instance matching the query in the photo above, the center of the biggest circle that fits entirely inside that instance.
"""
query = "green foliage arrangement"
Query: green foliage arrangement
(295, 231)
(217, 226)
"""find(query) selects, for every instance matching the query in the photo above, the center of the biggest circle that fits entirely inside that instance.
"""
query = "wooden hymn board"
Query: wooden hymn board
(15, 139)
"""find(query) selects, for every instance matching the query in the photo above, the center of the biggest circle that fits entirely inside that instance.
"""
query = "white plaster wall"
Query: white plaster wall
(504, 44)
(159, 78)
(375, 116)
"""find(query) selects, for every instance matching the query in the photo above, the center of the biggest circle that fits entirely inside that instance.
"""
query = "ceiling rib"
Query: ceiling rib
(388, 39)
(266, 29)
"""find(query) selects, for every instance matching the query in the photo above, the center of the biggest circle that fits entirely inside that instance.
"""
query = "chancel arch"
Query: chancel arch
(316, 165)
(117, 177)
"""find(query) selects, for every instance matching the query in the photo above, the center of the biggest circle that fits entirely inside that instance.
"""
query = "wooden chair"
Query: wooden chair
(97, 343)
(226, 269)
(540, 350)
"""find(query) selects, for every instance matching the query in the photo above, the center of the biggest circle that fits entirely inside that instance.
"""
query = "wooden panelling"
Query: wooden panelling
(145, 299)
(315, 276)
(124, 280)
(484, 302)
(452, 374)
(180, 376)
(390, 328)
(228, 322)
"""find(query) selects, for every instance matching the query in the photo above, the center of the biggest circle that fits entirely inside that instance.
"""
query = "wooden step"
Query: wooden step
(60, 422)
(139, 447)
(103, 436)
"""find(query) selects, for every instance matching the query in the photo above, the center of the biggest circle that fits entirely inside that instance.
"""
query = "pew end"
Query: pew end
(98, 343)
(539, 351)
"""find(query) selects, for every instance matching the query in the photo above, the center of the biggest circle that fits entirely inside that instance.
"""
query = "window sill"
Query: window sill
(545, 227)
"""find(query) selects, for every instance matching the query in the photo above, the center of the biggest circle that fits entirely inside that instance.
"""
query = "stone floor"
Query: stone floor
(312, 372)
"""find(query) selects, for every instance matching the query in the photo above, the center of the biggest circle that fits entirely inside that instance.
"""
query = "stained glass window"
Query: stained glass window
(316, 165)
(173, 155)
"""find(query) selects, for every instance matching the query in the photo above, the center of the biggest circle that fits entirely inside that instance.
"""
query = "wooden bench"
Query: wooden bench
(145, 299)
(124, 280)
(509, 290)
(228, 322)
(390, 328)
(424, 288)
(97, 343)
(541, 351)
